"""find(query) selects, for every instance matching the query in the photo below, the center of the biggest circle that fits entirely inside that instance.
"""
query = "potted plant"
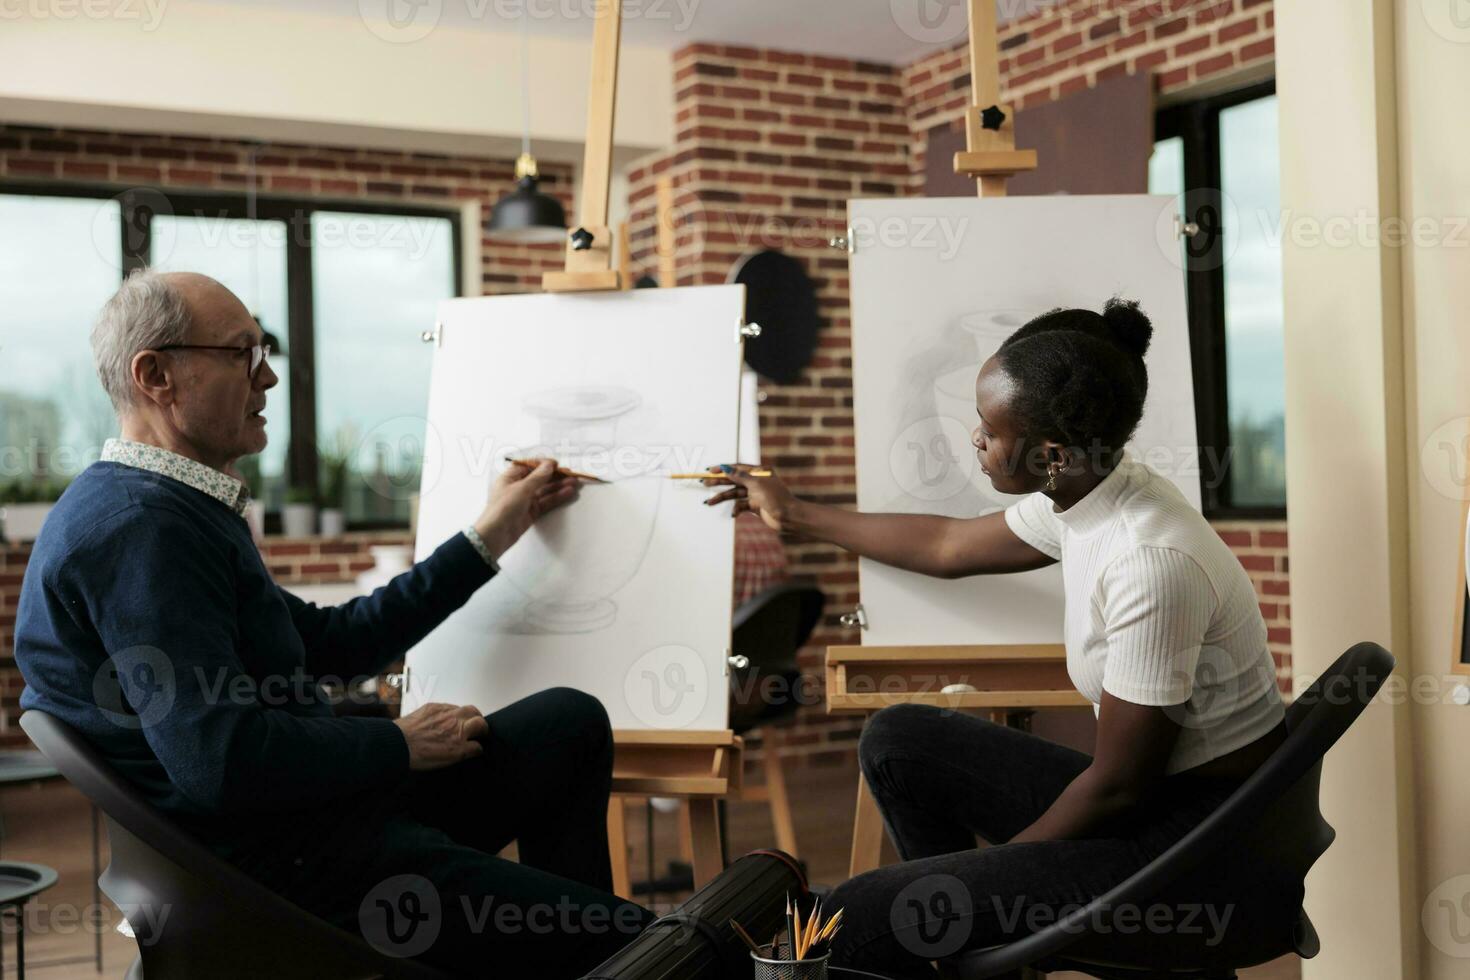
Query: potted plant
(24, 505)
(298, 517)
(334, 490)
(247, 468)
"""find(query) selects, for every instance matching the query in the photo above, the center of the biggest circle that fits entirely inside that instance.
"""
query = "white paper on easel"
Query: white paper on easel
(625, 593)
(937, 285)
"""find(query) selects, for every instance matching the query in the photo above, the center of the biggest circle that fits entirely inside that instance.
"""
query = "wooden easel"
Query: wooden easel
(697, 767)
(990, 153)
(863, 679)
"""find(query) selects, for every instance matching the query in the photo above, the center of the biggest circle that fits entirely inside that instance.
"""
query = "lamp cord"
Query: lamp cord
(525, 81)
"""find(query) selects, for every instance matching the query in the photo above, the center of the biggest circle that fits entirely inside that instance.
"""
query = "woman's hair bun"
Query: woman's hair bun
(1130, 327)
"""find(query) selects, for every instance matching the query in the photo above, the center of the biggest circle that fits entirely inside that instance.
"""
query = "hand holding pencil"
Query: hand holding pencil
(757, 490)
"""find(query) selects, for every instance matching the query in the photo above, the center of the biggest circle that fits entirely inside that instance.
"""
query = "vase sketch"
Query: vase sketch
(573, 560)
(954, 391)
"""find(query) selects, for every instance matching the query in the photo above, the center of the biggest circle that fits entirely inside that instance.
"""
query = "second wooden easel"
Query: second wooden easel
(999, 678)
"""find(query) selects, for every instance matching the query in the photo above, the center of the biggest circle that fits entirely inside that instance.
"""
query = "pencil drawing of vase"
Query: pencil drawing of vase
(954, 390)
(574, 559)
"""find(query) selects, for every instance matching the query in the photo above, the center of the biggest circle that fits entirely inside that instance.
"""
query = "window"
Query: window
(60, 259)
(376, 281)
(1221, 154)
(344, 292)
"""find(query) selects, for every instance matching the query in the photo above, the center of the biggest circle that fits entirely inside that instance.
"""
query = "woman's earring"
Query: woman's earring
(1051, 479)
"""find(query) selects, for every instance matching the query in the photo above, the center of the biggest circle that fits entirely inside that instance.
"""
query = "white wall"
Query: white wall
(1378, 410)
(273, 73)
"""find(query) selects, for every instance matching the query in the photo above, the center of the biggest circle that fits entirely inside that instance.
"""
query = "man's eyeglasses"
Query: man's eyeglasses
(258, 353)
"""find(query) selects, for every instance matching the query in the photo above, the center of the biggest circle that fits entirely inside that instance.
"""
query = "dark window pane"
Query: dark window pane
(376, 283)
(60, 259)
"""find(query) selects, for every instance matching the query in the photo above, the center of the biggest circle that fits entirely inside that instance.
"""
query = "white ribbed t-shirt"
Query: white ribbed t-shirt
(1158, 610)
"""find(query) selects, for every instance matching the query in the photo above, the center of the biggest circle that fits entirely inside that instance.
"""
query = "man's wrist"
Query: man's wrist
(485, 548)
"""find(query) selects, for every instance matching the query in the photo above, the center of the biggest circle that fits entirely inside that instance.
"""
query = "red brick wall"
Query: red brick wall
(1185, 44)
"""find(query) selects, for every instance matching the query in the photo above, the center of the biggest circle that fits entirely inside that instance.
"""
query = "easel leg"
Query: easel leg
(617, 847)
(867, 832)
(702, 817)
(686, 840)
(780, 802)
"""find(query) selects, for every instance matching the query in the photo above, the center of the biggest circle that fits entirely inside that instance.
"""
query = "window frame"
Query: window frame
(1197, 124)
(302, 459)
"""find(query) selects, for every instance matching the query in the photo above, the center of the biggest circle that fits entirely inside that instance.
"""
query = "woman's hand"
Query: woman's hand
(766, 496)
(518, 498)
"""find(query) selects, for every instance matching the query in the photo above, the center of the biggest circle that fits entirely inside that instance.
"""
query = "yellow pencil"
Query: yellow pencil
(562, 470)
(830, 927)
(713, 476)
(811, 929)
(800, 931)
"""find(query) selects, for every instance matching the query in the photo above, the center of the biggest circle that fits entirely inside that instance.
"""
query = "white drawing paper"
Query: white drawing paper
(624, 593)
(937, 285)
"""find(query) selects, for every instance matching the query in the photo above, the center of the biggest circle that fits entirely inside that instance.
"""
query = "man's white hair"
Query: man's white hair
(145, 313)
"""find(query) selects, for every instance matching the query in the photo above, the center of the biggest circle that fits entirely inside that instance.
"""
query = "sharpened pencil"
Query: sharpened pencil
(713, 476)
(745, 937)
(561, 470)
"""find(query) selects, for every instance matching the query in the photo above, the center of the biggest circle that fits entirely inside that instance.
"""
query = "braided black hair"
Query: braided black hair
(1079, 376)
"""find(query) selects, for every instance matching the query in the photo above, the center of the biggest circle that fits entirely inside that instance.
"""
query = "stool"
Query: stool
(18, 882)
(30, 766)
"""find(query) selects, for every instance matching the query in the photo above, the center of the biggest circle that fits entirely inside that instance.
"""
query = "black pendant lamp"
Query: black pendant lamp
(525, 214)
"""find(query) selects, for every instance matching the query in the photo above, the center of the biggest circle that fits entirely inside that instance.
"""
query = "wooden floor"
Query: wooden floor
(51, 824)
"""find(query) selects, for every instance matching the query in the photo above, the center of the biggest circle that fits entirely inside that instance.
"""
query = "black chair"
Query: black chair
(192, 913)
(768, 630)
(1270, 831)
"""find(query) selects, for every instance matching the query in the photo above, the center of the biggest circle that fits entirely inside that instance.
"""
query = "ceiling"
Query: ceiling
(890, 31)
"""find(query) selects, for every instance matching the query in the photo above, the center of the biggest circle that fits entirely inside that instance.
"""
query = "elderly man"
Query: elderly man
(148, 622)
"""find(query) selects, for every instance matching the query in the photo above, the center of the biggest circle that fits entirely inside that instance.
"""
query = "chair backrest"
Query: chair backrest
(1285, 782)
(769, 629)
(156, 863)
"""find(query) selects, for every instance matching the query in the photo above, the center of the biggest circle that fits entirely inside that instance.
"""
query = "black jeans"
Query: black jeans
(416, 873)
(941, 778)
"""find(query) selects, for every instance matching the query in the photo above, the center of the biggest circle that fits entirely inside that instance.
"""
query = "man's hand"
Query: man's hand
(518, 498)
(440, 735)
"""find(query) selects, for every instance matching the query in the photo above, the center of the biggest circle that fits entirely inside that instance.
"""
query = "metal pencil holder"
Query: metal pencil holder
(769, 967)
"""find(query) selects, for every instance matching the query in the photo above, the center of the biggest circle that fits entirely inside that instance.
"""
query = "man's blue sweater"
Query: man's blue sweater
(149, 623)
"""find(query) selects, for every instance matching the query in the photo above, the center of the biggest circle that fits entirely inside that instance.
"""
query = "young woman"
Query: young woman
(1163, 634)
